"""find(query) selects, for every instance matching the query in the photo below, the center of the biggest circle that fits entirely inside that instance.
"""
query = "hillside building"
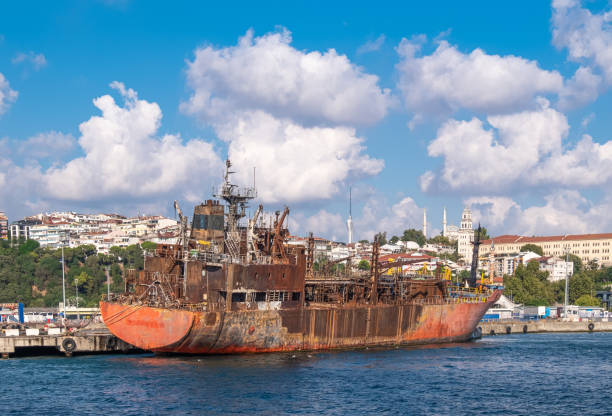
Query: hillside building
(587, 247)
(3, 226)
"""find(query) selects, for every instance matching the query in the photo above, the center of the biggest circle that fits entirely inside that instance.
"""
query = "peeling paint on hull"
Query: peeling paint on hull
(315, 327)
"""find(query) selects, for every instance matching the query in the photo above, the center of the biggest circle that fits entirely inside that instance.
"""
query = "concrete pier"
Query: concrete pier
(68, 344)
(543, 325)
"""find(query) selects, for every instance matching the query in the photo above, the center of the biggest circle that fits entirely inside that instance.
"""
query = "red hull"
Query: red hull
(317, 327)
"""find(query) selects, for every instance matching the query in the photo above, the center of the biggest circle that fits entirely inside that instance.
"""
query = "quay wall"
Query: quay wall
(63, 343)
(542, 325)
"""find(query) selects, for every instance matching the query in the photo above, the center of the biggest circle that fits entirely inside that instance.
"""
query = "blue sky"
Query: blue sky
(420, 106)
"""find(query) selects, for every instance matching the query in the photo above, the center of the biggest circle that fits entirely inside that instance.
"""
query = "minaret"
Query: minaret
(425, 222)
(444, 223)
(349, 222)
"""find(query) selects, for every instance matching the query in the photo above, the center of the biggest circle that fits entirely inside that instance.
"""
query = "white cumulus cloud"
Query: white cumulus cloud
(586, 36)
(564, 212)
(49, 144)
(448, 80)
(7, 95)
(289, 113)
(295, 163)
(499, 158)
(267, 73)
(125, 159)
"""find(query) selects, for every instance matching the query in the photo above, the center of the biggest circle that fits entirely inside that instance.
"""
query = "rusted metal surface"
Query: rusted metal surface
(314, 328)
(144, 327)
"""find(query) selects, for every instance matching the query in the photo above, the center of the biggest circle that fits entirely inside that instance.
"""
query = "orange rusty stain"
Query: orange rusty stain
(145, 327)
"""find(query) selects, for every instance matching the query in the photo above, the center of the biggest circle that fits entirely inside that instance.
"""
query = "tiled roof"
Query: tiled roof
(509, 239)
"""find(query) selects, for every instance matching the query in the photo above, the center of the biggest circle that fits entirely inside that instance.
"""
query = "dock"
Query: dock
(32, 341)
(542, 325)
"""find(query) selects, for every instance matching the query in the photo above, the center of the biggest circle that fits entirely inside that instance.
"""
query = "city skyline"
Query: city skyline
(116, 106)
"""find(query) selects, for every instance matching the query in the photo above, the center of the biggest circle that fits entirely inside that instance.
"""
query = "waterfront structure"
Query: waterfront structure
(588, 247)
(3, 226)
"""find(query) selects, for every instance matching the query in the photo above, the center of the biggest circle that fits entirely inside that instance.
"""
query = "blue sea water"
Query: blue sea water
(532, 374)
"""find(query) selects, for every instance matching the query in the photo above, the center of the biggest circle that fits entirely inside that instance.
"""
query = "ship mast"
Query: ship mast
(237, 200)
(474, 268)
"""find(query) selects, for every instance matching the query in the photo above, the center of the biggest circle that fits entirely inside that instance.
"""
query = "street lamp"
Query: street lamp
(64, 286)
(76, 290)
(566, 284)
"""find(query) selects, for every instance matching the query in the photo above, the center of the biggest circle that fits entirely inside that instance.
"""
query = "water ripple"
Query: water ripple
(509, 375)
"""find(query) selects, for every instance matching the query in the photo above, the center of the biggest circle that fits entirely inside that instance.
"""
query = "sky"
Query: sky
(124, 106)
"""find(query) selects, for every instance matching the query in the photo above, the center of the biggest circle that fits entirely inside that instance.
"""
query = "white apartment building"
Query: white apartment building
(557, 268)
(101, 230)
(51, 235)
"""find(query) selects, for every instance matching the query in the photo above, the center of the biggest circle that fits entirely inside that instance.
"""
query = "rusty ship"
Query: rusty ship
(232, 284)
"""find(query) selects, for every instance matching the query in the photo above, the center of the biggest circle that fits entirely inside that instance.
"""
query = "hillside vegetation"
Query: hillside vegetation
(530, 286)
(33, 275)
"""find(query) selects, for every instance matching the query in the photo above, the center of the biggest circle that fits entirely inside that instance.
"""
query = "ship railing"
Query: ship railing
(209, 257)
(479, 298)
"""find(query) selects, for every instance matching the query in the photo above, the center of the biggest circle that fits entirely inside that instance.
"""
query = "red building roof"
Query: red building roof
(518, 239)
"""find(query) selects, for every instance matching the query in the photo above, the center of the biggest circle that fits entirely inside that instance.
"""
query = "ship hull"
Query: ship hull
(314, 327)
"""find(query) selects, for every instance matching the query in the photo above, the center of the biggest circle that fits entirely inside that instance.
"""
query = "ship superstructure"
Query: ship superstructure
(234, 285)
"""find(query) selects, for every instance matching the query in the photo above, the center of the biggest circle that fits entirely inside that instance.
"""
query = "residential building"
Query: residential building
(557, 268)
(100, 230)
(506, 264)
(588, 247)
(3, 226)
(21, 229)
(51, 235)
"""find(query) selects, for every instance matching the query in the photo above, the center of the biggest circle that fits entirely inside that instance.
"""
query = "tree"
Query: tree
(579, 284)
(28, 246)
(592, 265)
(414, 235)
(381, 237)
(364, 265)
(463, 276)
(484, 234)
(364, 242)
(577, 262)
(148, 245)
(441, 240)
(394, 239)
(530, 286)
(588, 300)
(533, 248)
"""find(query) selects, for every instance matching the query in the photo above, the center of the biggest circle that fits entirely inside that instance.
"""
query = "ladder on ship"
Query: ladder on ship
(231, 242)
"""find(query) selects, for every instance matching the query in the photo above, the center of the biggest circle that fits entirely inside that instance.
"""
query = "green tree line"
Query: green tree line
(33, 275)
(531, 287)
